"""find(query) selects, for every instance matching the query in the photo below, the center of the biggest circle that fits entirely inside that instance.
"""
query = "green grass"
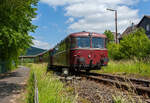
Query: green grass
(51, 90)
(30, 89)
(118, 99)
(127, 68)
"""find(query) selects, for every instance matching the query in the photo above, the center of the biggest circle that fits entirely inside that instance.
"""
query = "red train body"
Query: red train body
(80, 51)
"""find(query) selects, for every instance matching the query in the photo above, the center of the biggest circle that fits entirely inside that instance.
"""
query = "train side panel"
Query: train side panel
(60, 55)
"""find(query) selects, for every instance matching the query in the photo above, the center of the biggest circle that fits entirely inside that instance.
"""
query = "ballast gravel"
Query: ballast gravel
(87, 91)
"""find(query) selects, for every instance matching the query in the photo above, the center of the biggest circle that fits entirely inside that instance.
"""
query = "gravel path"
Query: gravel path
(12, 85)
(91, 92)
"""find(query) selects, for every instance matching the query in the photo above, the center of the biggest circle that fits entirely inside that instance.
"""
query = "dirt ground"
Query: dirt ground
(12, 85)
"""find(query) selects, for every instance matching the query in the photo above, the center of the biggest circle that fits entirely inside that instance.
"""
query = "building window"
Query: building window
(147, 27)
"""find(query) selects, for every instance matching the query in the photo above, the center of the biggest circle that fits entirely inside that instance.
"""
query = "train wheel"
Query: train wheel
(65, 71)
(72, 71)
(87, 71)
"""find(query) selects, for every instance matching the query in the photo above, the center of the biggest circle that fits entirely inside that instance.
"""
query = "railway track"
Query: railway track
(139, 86)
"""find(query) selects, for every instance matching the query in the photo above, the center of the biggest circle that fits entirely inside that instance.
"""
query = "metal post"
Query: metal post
(36, 99)
(116, 25)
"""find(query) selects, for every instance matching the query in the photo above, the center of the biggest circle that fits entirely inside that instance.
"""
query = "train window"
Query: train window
(98, 42)
(83, 42)
(67, 43)
(73, 42)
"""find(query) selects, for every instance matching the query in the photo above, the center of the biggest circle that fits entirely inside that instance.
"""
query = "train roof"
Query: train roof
(40, 54)
(85, 34)
(29, 56)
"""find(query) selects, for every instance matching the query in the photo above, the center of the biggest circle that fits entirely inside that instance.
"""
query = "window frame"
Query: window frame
(103, 46)
(148, 27)
(83, 37)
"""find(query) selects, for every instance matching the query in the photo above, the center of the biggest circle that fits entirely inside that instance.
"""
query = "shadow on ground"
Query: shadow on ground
(9, 75)
(7, 89)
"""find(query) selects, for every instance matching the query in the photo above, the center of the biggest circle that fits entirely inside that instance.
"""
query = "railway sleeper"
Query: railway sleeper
(145, 91)
(142, 82)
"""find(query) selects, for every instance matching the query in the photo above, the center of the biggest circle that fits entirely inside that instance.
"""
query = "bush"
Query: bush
(134, 45)
(114, 51)
(110, 36)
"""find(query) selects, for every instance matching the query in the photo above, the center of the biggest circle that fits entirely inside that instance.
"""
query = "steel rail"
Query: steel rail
(121, 82)
(145, 83)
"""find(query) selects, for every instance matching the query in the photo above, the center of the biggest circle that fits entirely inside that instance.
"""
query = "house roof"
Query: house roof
(130, 28)
(148, 16)
(145, 16)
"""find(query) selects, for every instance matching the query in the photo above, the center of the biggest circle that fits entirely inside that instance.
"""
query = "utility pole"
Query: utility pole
(116, 27)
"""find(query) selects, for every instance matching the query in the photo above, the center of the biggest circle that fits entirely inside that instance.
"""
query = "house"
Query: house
(118, 36)
(144, 23)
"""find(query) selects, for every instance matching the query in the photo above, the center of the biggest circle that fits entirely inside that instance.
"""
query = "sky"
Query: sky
(58, 18)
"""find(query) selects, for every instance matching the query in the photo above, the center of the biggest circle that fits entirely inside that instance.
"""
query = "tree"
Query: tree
(110, 36)
(136, 44)
(15, 24)
(114, 51)
(133, 45)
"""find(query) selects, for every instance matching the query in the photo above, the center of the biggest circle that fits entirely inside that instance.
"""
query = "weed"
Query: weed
(118, 99)
(51, 90)
(127, 67)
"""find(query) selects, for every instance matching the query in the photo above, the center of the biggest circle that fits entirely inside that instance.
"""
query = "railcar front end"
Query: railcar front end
(88, 51)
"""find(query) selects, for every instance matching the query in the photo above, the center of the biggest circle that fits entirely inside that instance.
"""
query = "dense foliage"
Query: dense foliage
(110, 36)
(114, 51)
(134, 45)
(15, 24)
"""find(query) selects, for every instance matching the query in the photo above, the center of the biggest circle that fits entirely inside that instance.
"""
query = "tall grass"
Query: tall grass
(127, 67)
(30, 89)
(51, 90)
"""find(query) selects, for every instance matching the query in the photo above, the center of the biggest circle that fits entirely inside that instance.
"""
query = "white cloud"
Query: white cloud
(92, 15)
(41, 44)
(70, 20)
(65, 2)
(61, 2)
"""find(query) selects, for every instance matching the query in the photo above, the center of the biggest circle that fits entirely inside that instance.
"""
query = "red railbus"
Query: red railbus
(80, 51)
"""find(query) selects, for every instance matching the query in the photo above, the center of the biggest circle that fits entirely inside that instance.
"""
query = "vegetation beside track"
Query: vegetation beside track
(135, 45)
(51, 89)
(133, 68)
(129, 57)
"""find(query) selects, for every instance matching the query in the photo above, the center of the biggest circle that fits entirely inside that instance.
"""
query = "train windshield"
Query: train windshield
(83, 42)
(98, 42)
